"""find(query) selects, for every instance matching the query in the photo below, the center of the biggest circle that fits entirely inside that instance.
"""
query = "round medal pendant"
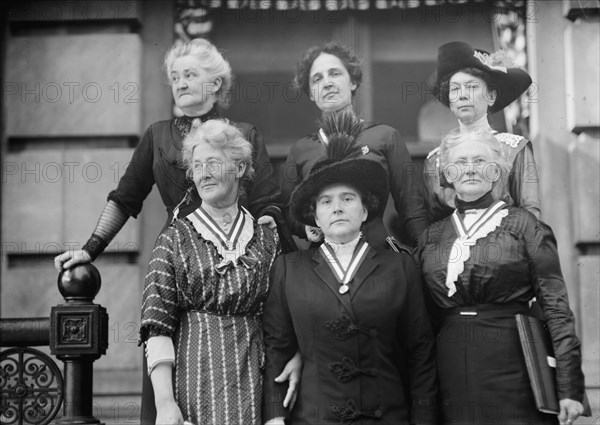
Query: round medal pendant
(344, 288)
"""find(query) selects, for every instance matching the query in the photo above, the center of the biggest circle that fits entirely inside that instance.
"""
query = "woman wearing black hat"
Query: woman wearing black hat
(355, 313)
(481, 266)
(330, 75)
(472, 84)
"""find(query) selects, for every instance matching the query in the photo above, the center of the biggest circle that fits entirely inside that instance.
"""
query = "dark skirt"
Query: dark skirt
(482, 373)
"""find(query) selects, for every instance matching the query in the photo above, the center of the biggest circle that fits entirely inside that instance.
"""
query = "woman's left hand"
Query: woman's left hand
(569, 411)
(291, 372)
(268, 221)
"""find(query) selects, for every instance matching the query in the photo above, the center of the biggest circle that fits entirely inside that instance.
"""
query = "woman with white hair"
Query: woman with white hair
(203, 297)
(200, 80)
(474, 84)
(481, 266)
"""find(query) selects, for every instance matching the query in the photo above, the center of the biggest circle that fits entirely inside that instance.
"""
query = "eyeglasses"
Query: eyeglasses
(214, 168)
(488, 170)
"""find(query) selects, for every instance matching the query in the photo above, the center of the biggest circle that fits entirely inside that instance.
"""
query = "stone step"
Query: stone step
(121, 409)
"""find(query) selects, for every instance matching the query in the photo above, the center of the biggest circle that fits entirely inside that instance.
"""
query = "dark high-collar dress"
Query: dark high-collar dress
(478, 283)
(157, 160)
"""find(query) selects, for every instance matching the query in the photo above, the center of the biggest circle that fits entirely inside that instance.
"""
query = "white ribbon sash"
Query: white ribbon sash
(345, 276)
(461, 248)
(232, 245)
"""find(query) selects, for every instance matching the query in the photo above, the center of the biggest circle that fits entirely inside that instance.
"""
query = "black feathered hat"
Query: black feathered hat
(344, 162)
(508, 82)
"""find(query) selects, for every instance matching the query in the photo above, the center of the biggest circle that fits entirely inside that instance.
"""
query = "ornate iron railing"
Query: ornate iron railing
(31, 385)
(32, 388)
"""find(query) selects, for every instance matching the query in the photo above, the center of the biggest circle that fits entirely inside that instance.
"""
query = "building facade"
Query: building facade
(82, 80)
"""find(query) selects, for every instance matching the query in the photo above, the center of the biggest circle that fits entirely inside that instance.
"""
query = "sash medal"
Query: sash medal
(461, 247)
(231, 245)
(360, 252)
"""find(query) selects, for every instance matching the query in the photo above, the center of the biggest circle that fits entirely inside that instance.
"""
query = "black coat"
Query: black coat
(367, 354)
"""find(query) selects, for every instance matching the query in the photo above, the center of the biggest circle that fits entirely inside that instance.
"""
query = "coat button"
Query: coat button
(378, 413)
(373, 333)
(374, 371)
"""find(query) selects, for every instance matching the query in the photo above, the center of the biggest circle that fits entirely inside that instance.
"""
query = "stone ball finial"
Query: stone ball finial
(79, 283)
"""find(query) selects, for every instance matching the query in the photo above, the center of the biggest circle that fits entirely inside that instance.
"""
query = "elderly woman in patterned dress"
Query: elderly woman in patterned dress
(472, 84)
(200, 79)
(204, 292)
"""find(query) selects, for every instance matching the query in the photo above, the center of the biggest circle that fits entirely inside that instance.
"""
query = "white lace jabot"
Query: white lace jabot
(477, 224)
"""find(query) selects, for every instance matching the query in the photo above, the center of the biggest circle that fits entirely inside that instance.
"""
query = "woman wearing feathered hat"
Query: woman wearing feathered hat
(473, 83)
(355, 313)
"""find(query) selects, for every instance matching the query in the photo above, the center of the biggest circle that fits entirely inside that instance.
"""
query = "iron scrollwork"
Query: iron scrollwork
(31, 387)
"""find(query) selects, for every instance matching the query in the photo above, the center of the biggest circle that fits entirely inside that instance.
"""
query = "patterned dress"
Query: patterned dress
(205, 290)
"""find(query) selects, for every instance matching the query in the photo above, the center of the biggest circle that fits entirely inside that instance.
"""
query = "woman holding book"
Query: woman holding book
(481, 266)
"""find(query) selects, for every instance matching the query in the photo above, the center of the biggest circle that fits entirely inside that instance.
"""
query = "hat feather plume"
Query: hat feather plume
(342, 129)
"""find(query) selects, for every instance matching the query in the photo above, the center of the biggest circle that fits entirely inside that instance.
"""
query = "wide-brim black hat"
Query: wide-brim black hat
(509, 83)
(344, 163)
